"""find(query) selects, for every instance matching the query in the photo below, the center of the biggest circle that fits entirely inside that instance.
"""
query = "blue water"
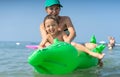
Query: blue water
(13, 62)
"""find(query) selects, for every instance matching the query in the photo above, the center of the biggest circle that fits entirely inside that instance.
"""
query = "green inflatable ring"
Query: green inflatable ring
(60, 58)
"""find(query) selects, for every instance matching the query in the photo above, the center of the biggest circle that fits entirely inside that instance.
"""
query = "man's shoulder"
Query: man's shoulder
(64, 16)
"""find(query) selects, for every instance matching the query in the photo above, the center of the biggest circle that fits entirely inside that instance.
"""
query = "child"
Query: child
(111, 43)
(53, 31)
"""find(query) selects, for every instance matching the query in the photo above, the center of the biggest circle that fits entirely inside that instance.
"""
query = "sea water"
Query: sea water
(14, 55)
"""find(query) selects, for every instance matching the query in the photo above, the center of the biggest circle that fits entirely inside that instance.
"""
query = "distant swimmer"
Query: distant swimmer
(111, 43)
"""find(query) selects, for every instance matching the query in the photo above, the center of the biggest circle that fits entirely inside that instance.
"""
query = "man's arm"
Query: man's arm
(71, 29)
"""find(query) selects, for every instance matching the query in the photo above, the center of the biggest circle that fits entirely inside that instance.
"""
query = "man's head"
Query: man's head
(49, 3)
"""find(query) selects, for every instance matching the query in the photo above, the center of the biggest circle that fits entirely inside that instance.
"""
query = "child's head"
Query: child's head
(51, 24)
(53, 7)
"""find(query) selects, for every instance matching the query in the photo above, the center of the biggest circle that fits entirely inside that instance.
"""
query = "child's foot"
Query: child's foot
(97, 55)
(100, 56)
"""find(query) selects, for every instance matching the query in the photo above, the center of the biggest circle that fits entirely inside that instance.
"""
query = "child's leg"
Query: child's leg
(82, 48)
(90, 45)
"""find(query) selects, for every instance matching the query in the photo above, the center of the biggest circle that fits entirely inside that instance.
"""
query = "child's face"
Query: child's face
(53, 10)
(51, 26)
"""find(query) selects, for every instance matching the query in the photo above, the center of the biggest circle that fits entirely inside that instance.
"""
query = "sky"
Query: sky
(20, 19)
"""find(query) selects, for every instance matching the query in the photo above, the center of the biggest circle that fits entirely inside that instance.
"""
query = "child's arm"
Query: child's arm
(42, 44)
(43, 31)
(45, 42)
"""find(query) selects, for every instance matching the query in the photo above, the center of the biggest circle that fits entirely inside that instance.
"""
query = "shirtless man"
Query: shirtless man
(53, 7)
